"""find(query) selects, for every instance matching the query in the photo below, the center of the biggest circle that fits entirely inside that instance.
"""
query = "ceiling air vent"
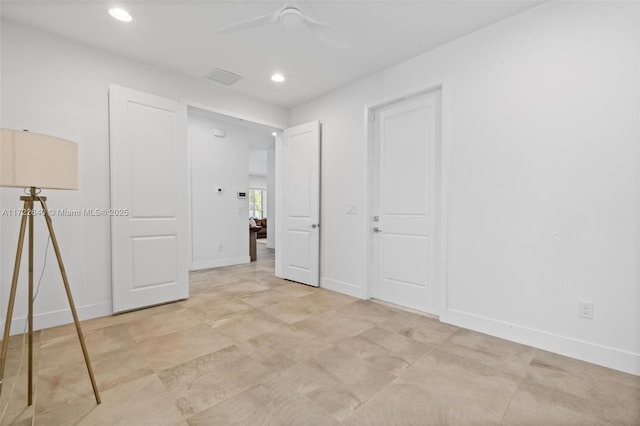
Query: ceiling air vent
(222, 76)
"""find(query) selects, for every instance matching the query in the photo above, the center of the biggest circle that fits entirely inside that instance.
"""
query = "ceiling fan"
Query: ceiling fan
(292, 17)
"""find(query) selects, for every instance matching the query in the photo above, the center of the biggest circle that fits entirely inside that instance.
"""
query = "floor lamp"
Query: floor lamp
(34, 161)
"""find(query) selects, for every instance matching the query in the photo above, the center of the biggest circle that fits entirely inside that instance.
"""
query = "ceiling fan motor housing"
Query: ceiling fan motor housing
(291, 18)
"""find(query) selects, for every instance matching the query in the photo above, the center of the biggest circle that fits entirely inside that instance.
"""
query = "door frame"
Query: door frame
(443, 165)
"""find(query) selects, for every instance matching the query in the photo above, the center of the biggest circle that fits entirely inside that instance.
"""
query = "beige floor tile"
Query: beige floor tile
(14, 400)
(328, 299)
(461, 388)
(220, 307)
(249, 274)
(368, 311)
(332, 326)
(202, 289)
(108, 321)
(241, 288)
(325, 390)
(200, 383)
(338, 381)
(176, 348)
(272, 403)
(619, 391)
(140, 402)
(492, 351)
(67, 350)
(69, 382)
(245, 325)
(402, 404)
(407, 348)
(548, 365)
(294, 309)
(388, 352)
(419, 328)
(70, 329)
(536, 404)
(264, 298)
(283, 347)
(363, 377)
(296, 289)
(16, 361)
(340, 359)
(161, 324)
(269, 279)
(273, 361)
(198, 298)
(154, 310)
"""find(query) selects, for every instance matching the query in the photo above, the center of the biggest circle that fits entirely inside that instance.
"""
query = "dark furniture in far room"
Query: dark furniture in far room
(253, 231)
(262, 233)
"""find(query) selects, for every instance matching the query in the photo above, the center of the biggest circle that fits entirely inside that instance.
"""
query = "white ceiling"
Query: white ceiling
(180, 35)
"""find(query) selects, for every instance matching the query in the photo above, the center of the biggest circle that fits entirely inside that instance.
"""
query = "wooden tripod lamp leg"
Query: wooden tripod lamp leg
(30, 303)
(12, 295)
(70, 297)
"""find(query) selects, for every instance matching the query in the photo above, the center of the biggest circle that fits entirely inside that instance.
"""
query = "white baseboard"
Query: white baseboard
(55, 318)
(342, 287)
(217, 263)
(617, 359)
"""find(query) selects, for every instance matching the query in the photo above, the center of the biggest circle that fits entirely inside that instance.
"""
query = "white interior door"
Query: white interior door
(298, 204)
(149, 228)
(403, 221)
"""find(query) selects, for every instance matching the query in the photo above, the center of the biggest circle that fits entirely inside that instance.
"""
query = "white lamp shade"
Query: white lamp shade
(30, 159)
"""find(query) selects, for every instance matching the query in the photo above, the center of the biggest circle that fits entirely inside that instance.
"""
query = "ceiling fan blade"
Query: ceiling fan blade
(327, 34)
(251, 23)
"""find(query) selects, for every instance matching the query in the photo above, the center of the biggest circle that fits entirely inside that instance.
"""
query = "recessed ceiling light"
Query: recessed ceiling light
(274, 134)
(278, 78)
(120, 14)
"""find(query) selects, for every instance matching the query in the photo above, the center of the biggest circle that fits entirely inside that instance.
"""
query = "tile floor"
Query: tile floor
(250, 349)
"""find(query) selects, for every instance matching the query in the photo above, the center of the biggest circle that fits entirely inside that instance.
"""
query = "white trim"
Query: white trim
(446, 130)
(343, 287)
(217, 263)
(61, 317)
(628, 362)
(441, 259)
(189, 192)
(233, 114)
(279, 185)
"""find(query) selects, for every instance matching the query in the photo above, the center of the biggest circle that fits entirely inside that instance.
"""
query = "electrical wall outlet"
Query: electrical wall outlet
(220, 247)
(585, 310)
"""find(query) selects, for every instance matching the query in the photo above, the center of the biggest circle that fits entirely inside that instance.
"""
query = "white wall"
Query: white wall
(54, 86)
(541, 137)
(258, 181)
(258, 162)
(219, 220)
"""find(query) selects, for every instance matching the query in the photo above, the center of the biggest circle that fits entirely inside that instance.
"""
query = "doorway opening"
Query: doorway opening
(231, 160)
(405, 231)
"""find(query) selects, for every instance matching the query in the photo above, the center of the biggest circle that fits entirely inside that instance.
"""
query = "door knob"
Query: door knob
(315, 225)
(376, 230)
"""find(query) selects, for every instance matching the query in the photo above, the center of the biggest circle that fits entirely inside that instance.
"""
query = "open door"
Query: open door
(298, 204)
(149, 187)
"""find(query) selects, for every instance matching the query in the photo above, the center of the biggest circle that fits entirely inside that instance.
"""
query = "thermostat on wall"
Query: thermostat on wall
(242, 194)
